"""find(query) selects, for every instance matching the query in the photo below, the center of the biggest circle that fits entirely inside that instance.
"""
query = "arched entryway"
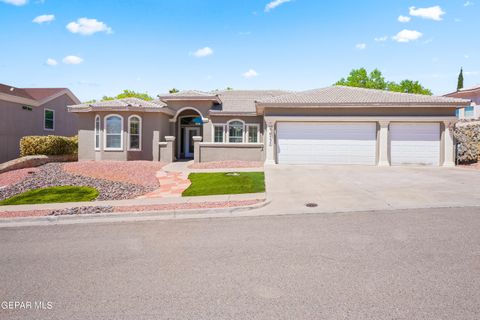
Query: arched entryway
(189, 123)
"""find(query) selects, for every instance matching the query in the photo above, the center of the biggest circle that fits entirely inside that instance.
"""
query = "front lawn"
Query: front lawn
(206, 184)
(52, 195)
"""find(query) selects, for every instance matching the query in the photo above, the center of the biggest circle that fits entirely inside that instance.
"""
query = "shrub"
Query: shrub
(468, 140)
(48, 145)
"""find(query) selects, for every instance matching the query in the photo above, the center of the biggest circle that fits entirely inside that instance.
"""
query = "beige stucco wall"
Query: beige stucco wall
(222, 152)
(151, 123)
(382, 111)
(16, 123)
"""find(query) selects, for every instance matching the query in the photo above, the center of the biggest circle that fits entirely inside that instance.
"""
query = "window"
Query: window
(113, 132)
(469, 112)
(235, 131)
(252, 132)
(134, 132)
(97, 133)
(49, 119)
(218, 133)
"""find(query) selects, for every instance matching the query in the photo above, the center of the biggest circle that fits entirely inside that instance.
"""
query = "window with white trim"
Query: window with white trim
(48, 119)
(97, 132)
(113, 132)
(134, 133)
(252, 133)
(235, 131)
(219, 133)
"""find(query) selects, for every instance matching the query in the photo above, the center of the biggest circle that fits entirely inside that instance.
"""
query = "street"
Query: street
(405, 264)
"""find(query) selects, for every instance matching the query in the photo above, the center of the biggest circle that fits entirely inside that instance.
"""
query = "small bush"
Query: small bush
(48, 145)
(468, 139)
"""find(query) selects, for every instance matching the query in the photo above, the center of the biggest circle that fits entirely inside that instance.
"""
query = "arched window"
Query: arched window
(97, 132)
(134, 133)
(235, 131)
(113, 132)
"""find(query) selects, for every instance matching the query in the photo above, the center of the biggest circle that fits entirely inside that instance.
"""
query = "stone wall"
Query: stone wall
(34, 161)
(467, 135)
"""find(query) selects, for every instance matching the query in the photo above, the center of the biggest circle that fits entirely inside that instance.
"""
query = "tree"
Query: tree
(375, 80)
(460, 80)
(173, 90)
(130, 94)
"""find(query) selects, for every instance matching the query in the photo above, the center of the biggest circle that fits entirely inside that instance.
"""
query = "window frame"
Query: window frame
(228, 131)
(223, 126)
(470, 110)
(45, 118)
(247, 132)
(129, 148)
(106, 148)
(97, 132)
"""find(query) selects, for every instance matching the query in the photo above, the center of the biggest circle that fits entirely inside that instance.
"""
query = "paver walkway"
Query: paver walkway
(173, 180)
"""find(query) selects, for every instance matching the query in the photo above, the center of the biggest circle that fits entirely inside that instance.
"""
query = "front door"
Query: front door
(188, 146)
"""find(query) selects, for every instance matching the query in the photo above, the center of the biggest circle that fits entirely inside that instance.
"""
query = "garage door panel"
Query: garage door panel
(326, 143)
(415, 143)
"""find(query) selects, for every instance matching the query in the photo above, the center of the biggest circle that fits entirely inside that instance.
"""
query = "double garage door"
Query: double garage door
(356, 143)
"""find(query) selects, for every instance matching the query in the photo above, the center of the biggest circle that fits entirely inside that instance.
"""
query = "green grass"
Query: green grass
(52, 195)
(206, 184)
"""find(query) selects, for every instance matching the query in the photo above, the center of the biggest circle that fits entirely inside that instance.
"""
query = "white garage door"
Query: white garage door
(326, 143)
(415, 143)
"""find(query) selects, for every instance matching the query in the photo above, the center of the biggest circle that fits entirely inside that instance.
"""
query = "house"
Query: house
(334, 125)
(33, 111)
(473, 110)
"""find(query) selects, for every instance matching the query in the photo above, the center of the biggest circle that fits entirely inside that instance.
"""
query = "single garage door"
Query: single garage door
(415, 143)
(326, 143)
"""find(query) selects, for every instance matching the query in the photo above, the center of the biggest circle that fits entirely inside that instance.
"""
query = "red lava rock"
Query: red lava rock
(227, 165)
(15, 176)
(136, 172)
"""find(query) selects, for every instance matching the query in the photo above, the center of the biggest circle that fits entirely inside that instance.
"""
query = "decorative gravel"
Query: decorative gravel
(81, 210)
(136, 172)
(226, 165)
(52, 174)
(15, 176)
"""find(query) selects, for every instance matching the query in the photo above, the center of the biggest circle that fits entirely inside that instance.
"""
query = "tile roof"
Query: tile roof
(124, 104)
(19, 92)
(341, 95)
(42, 93)
(244, 100)
(188, 95)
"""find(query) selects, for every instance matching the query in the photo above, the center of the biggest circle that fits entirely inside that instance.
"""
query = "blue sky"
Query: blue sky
(152, 46)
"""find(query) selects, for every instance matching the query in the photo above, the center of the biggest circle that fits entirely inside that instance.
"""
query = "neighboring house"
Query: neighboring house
(473, 110)
(33, 111)
(334, 125)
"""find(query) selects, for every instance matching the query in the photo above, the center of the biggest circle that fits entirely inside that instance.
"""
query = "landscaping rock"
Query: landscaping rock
(82, 210)
(468, 139)
(52, 174)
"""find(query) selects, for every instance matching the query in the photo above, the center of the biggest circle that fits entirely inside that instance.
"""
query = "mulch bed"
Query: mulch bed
(52, 174)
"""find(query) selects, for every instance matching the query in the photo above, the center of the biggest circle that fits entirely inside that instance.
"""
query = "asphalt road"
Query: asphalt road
(415, 264)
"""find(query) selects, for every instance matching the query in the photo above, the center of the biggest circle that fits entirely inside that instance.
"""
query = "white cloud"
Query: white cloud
(86, 26)
(51, 62)
(250, 74)
(432, 13)
(72, 60)
(361, 46)
(44, 18)
(203, 52)
(407, 36)
(381, 39)
(404, 19)
(468, 3)
(15, 2)
(275, 3)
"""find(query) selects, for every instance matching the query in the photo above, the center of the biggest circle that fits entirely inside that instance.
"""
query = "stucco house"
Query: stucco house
(334, 125)
(33, 111)
(473, 110)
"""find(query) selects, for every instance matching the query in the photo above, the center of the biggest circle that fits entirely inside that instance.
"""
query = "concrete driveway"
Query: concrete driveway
(361, 188)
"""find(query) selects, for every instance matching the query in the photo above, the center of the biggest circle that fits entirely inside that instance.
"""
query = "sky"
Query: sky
(101, 47)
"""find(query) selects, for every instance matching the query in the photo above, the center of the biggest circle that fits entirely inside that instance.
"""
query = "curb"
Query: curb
(128, 216)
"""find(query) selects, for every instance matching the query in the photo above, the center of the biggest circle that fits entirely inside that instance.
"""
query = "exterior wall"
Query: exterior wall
(154, 126)
(208, 127)
(385, 111)
(16, 123)
(222, 152)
